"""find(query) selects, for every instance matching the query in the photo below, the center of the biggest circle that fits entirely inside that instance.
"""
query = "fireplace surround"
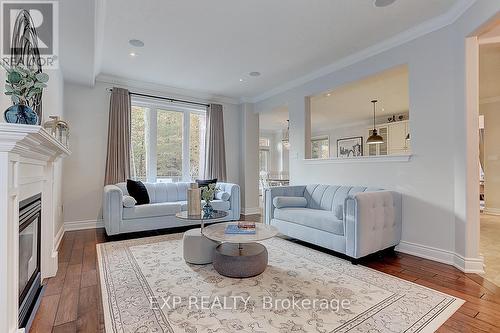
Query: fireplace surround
(29, 166)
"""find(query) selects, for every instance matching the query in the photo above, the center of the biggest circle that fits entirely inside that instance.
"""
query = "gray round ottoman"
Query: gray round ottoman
(197, 249)
(240, 260)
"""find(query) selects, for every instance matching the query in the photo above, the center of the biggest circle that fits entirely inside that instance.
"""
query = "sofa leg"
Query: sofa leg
(354, 261)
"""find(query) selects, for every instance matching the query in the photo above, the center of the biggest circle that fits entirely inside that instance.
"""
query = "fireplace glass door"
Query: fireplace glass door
(28, 255)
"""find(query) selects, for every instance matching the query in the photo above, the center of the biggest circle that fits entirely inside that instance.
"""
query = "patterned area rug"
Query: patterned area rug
(147, 287)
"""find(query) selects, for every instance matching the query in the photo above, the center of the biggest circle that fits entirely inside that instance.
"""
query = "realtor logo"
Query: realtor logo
(41, 17)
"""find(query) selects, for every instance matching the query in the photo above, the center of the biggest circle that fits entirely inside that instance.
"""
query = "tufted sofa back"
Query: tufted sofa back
(162, 192)
(329, 197)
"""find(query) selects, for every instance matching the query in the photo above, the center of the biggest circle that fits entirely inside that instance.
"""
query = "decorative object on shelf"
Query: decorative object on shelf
(22, 85)
(58, 129)
(207, 194)
(375, 137)
(286, 135)
(395, 118)
(24, 50)
(350, 147)
(194, 199)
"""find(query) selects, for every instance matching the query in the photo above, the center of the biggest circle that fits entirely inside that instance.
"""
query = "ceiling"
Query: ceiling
(351, 104)
(208, 46)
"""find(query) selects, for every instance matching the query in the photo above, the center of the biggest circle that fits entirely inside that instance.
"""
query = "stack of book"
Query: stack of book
(242, 228)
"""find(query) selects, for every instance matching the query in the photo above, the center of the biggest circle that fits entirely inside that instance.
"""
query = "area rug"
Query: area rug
(147, 287)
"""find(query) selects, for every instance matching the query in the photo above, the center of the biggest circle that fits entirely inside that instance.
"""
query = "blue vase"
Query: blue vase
(208, 209)
(21, 114)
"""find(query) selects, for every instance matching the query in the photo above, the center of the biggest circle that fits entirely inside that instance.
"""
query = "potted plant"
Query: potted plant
(22, 84)
(208, 194)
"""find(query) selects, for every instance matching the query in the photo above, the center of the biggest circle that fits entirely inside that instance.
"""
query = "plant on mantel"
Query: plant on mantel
(22, 84)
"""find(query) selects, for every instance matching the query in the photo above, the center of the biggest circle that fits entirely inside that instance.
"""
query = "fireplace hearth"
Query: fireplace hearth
(29, 256)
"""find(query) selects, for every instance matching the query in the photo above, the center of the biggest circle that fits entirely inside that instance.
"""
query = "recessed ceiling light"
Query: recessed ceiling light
(328, 94)
(254, 74)
(136, 42)
(241, 80)
(383, 3)
(132, 54)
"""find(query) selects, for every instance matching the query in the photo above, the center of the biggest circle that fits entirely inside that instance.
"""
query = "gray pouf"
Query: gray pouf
(197, 249)
(240, 260)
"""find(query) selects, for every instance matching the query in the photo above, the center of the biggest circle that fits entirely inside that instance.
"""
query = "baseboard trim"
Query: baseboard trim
(250, 211)
(58, 237)
(82, 225)
(492, 211)
(467, 265)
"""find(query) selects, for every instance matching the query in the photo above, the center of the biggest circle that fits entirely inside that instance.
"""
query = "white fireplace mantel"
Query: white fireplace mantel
(27, 157)
(30, 141)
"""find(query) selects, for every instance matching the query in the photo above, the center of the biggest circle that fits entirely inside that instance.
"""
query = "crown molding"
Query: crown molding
(155, 88)
(413, 33)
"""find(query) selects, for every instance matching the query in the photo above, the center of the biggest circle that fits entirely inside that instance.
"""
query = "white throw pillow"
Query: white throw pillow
(224, 196)
(128, 201)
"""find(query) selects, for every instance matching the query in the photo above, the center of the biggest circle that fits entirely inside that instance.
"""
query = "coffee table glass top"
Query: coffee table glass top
(216, 232)
(215, 215)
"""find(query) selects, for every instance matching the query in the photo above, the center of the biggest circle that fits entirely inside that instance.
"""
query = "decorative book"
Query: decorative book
(234, 229)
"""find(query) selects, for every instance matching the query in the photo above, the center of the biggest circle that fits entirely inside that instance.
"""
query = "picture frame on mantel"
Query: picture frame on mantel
(350, 147)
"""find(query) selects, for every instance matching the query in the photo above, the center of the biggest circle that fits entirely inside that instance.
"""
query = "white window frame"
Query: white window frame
(151, 129)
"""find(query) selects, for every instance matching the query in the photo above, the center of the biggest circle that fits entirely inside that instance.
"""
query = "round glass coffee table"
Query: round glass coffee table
(239, 255)
(197, 249)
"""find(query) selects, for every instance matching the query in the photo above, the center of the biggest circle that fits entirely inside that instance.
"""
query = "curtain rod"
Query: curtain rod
(164, 98)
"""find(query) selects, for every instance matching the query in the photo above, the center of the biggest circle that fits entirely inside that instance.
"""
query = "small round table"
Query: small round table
(197, 249)
(239, 255)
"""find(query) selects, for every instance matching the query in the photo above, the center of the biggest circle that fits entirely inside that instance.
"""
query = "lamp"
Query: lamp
(374, 138)
(286, 135)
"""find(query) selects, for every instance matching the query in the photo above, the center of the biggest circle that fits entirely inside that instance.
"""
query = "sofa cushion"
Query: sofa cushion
(314, 218)
(138, 191)
(221, 195)
(151, 210)
(217, 204)
(282, 202)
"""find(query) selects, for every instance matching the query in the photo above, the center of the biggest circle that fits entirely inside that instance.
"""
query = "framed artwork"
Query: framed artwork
(320, 147)
(350, 147)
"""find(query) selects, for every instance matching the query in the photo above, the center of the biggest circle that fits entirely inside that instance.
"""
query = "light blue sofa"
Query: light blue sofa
(166, 199)
(352, 220)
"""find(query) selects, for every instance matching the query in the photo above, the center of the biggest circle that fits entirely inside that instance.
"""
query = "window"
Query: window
(264, 154)
(320, 147)
(168, 141)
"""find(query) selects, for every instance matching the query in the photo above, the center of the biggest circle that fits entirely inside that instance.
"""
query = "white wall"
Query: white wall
(434, 181)
(87, 114)
(249, 170)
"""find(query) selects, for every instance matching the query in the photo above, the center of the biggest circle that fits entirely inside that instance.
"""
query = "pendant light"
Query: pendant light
(374, 138)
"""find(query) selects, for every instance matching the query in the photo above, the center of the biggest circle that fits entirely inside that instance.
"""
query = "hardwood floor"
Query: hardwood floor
(72, 299)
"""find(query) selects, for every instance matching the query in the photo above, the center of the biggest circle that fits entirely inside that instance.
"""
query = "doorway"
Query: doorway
(274, 145)
(489, 150)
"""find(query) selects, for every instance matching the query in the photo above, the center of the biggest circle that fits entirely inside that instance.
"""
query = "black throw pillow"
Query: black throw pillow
(138, 191)
(206, 182)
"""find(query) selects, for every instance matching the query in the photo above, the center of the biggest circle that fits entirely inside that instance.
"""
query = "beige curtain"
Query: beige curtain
(118, 157)
(215, 149)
